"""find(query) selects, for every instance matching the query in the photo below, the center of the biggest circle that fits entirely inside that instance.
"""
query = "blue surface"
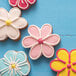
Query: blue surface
(61, 14)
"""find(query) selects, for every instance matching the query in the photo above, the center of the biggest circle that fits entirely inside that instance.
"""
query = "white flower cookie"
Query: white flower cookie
(14, 64)
(10, 23)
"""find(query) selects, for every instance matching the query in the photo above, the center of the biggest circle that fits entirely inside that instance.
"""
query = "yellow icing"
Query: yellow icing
(63, 55)
(58, 65)
(8, 22)
(73, 56)
(13, 66)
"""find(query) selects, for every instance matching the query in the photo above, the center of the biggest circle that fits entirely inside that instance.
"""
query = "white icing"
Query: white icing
(23, 2)
(17, 22)
(18, 65)
(3, 14)
(14, 13)
(31, 2)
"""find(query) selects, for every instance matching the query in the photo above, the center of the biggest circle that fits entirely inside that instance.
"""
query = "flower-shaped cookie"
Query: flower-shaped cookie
(22, 4)
(14, 64)
(41, 41)
(10, 23)
(65, 63)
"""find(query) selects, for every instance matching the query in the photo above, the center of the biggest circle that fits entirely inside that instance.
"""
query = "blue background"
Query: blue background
(61, 14)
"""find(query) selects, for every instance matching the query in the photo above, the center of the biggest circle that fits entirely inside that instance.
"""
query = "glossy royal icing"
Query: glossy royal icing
(41, 41)
(65, 63)
(22, 4)
(14, 64)
(10, 23)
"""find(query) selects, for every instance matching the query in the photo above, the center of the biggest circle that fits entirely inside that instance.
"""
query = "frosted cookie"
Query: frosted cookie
(14, 64)
(41, 41)
(65, 63)
(22, 4)
(10, 23)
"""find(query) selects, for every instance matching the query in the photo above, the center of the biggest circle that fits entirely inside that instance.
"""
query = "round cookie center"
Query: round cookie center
(69, 66)
(8, 22)
(13, 66)
(40, 41)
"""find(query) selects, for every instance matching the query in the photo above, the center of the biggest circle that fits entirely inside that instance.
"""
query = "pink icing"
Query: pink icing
(35, 52)
(74, 63)
(23, 4)
(69, 66)
(53, 39)
(31, 1)
(40, 35)
(29, 41)
(62, 61)
(54, 69)
(48, 51)
(40, 41)
(13, 2)
(68, 72)
(73, 70)
(34, 31)
(46, 30)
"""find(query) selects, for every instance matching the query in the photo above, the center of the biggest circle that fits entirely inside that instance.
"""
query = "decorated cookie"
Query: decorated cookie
(22, 4)
(41, 41)
(14, 64)
(10, 23)
(65, 63)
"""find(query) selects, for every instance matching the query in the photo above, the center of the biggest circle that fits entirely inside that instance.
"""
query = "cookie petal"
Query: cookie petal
(3, 66)
(2, 23)
(64, 72)
(57, 65)
(73, 60)
(63, 54)
(13, 33)
(14, 13)
(46, 30)
(48, 51)
(13, 2)
(31, 1)
(29, 42)
(72, 73)
(5, 74)
(23, 4)
(34, 31)
(3, 14)
(73, 56)
(52, 39)
(21, 56)
(3, 34)
(35, 52)
(10, 55)
(20, 23)
(74, 67)
(25, 69)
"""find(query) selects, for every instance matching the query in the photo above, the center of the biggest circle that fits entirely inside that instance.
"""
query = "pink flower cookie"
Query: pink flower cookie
(10, 23)
(22, 4)
(65, 63)
(41, 41)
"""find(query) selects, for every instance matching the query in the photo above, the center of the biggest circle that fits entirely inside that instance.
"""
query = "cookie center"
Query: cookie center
(69, 66)
(8, 22)
(40, 41)
(13, 66)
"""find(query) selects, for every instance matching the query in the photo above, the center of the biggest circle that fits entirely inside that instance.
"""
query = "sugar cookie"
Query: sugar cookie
(41, 41)
(14, 64)
(22, 4)
(10, 23)
(65, 63)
